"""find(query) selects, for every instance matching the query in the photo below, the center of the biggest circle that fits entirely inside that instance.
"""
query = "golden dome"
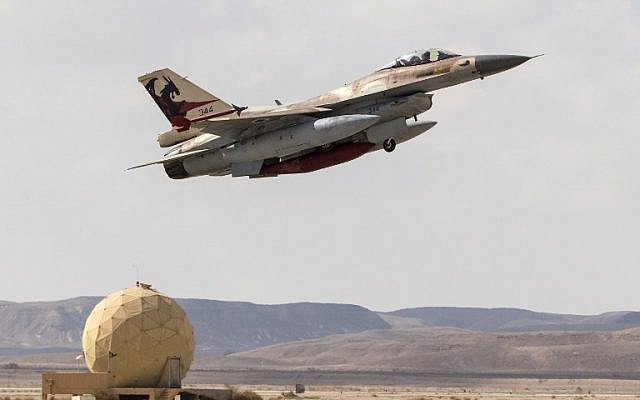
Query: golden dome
(133, 332)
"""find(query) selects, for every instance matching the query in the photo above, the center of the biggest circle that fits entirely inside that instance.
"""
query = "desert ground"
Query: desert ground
(23, 384)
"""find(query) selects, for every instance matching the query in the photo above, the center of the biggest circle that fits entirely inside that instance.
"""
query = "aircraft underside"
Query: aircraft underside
(324, 142)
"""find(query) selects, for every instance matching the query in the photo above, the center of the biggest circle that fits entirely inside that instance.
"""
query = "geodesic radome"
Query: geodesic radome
(140, 328)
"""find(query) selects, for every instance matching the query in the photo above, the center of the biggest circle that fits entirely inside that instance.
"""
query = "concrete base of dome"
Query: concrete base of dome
(63, 386)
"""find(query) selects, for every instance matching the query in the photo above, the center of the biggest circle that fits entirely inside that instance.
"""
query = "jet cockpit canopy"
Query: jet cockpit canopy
(420, 57)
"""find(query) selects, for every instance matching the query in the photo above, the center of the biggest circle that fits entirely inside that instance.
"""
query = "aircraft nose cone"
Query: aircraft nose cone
(488, 65)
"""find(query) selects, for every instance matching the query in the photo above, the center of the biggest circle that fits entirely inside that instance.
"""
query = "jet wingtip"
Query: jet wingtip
(136, 167)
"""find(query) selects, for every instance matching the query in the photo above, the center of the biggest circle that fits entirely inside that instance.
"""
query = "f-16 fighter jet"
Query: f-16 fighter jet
(379, 111)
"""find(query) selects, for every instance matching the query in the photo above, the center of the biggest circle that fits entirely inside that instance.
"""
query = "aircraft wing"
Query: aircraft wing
(174, 157)
(240, 127)
(249, 124)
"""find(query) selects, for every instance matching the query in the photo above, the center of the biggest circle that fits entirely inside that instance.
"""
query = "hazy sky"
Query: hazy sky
(524, 195)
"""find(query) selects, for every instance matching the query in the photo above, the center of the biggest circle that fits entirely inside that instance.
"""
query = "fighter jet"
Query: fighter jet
(378, 111)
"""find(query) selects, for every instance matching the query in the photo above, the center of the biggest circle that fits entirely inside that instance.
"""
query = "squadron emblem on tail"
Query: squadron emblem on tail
(166, 100)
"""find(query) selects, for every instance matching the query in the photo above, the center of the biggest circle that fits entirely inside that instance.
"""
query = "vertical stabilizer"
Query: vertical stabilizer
(181, 101)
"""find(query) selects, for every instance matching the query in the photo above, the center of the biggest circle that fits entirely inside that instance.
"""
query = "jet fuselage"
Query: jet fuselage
(375, 112)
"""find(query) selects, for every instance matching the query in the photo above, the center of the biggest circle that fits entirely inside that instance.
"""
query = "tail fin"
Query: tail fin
(181, 101)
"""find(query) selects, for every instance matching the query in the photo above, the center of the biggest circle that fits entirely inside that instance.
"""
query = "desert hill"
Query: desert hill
(451, 350)
(514, 319)
(232, 326)
(220, 326)
(349, 336)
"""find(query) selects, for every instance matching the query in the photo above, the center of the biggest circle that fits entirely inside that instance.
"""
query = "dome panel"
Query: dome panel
(133, 307)
(149, 303)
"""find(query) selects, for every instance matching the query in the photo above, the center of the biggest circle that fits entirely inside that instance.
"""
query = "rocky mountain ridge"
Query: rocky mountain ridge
(223, 327)
(220, 326)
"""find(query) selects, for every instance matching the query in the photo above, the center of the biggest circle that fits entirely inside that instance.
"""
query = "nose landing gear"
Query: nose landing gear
(389, 145)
